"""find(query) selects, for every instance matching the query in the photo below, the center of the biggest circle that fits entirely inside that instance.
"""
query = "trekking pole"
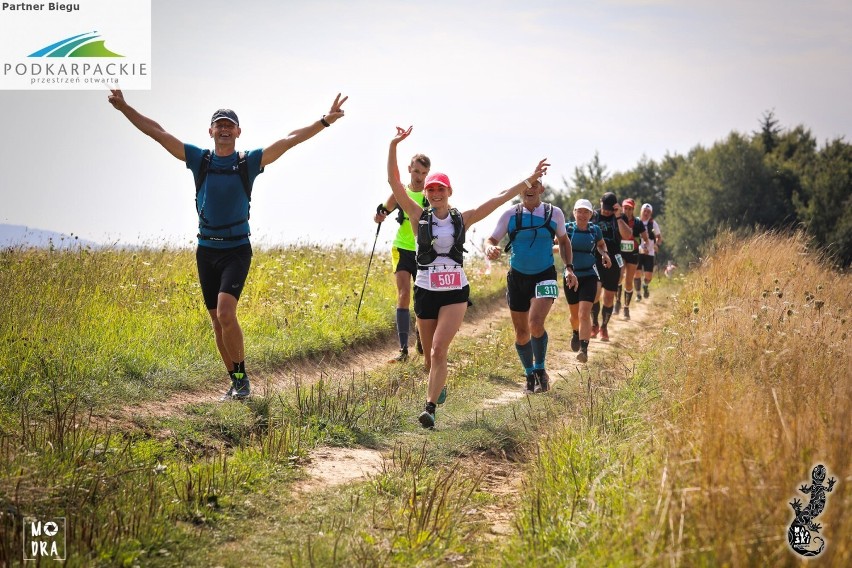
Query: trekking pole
(364, 287)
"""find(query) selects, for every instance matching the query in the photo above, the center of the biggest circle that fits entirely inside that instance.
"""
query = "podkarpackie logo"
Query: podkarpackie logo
(81, 45)
(97, 44)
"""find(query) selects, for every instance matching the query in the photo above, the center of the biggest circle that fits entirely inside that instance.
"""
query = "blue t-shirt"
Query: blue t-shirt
(583, 244)
(532, 249)
(222, 200)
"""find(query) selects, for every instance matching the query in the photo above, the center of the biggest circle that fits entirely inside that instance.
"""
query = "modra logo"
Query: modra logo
(44, 539)
(799, 535)
(81, 45)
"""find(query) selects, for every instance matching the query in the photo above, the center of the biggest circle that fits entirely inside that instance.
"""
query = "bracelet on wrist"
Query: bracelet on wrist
(528, 184)
(569, 265)
(324, 122)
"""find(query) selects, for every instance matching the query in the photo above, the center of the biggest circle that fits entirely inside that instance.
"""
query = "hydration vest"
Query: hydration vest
(426, 253)
(519, 217)
(401, 217)
(204, 169)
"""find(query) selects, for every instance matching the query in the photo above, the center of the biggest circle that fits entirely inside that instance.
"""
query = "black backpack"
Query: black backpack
(426, 253)
(204, 169)
(519, 217)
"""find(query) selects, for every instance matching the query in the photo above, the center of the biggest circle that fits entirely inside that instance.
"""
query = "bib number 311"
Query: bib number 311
(546, 289)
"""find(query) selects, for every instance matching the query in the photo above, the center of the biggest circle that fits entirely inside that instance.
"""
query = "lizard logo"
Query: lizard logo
(799, 534)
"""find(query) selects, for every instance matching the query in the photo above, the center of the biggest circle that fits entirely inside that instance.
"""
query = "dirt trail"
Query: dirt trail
(357, 359)
(328, 467)
(331, 467)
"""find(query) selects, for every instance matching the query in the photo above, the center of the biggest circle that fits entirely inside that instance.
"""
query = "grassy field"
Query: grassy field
(686, 452)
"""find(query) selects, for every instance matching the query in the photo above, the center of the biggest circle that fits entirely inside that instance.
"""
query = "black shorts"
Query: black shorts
(586, 290)
(520, 287)
(427, 303)
(404, 260)
(609, 276)
(646, 263)
(222, 270)
(630, 257)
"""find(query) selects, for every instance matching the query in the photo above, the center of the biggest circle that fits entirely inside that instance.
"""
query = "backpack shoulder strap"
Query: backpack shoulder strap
(242, 165)
(202, 170)
(548, 215)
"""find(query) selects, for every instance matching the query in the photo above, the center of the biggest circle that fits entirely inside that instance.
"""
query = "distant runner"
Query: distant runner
(614, 230)
(531, 284)
(648, 251)
(441, 290)
(586, 239)
(630, 254)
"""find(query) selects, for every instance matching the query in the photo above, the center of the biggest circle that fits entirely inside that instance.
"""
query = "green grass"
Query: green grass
(643, 459)
(91, 329)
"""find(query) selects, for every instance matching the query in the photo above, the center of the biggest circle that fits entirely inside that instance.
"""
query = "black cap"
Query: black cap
(227, 114)
(608, 200)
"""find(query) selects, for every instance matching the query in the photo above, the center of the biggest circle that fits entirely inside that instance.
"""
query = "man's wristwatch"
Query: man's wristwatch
(569, 265)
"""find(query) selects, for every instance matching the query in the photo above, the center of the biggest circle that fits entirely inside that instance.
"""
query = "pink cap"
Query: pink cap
(437, 178)
(628, 203)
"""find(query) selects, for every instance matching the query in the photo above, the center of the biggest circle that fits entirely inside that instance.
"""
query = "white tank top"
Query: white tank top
(442, 274)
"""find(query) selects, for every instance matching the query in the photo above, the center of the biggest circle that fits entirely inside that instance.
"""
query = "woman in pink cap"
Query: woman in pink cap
(441, 289)
(630, 254)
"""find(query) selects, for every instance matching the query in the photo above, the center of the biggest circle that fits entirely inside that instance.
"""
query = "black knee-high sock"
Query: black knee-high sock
(618, 294)
(637, 284)
(627, 297)
(607, 313)
(596, 309)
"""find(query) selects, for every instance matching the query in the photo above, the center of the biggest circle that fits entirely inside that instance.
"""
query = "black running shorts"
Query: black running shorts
(520, 287)
(222, 270)
(646, 263)
(404, 260)
(427, 303)
(586, 290)
(609, 276)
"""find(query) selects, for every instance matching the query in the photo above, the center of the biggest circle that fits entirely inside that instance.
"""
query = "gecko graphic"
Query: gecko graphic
(799, 533)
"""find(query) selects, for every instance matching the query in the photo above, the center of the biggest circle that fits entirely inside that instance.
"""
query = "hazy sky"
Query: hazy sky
(489, 86)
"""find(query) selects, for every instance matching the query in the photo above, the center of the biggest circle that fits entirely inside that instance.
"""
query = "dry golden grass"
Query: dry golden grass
(758, 360)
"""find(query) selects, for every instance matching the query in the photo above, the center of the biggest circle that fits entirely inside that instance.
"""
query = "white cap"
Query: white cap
(584, 204)
(648, 207)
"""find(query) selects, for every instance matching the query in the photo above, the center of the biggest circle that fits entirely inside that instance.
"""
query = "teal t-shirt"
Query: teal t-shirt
(583, 244)
(222, 200)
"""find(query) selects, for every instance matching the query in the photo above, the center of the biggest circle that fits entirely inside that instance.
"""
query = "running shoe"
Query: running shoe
(417, 344)
(427, 417)
(575, 341)
(617, 308)
(582, 356)
(531, 380)
(401, 358)
(595, 330)
(543, 381)
(229, 395)
(442, 398)
(638, 297)
(626, 313)
(645, 291)
(604, 334)
(242, 386)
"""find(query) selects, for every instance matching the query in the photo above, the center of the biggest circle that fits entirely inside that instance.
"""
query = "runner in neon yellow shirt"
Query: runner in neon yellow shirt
(403, 251)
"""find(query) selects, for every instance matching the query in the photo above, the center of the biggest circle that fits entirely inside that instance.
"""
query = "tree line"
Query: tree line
(771, 179)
